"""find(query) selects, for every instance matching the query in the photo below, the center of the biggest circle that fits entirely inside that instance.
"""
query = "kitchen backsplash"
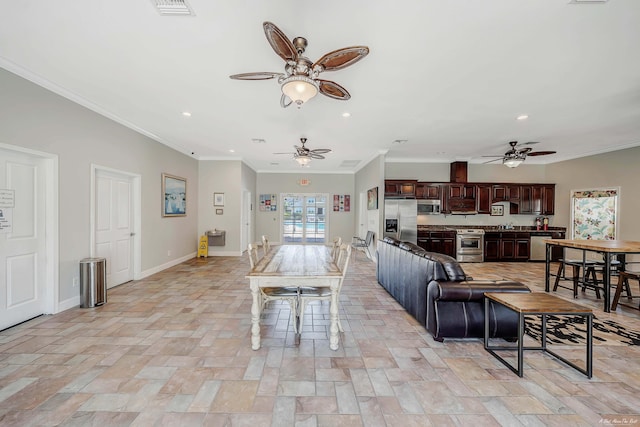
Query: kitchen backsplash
(482, 219)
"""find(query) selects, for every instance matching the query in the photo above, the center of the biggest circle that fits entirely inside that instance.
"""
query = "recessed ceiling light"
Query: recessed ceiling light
(186, 114)
(346, 114)
(522, 117)
(232, 151)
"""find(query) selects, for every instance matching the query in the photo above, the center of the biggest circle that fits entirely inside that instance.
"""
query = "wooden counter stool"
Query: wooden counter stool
(623, 280)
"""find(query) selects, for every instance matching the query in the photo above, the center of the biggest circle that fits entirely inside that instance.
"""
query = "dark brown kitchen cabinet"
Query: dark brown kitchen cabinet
(506, 192)
(492, 246)
(427, 191)
(483, 198)
(506, 246)
(530, 199)
(400, 188)
(548, 199)
(443, 242)
(461, 191)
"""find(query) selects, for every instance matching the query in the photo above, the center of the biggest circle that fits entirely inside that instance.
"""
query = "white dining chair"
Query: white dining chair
(289, 294)
(266, 246)
(311, 293)
(335, 248)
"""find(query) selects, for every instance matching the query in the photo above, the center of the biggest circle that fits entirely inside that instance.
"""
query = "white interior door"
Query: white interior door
(22, 237)
(114, 225)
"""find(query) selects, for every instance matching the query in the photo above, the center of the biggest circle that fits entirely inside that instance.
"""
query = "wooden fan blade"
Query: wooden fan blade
(333, 90)
(541, 153)
(321, 151)
(315, 156)
(524, 150)
(255, 76)
(279, 42)
(341, 58)
(494, 160)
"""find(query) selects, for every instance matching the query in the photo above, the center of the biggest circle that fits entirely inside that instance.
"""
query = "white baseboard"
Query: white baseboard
(72, 302)
(159, 268)
(225, 253)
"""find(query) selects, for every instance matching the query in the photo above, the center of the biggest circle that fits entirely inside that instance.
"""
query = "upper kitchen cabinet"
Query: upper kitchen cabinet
(548, 199)
(506, 192)
(537, 199)
(461, 191)
(483, 198)
(400, 188)
(427, 191)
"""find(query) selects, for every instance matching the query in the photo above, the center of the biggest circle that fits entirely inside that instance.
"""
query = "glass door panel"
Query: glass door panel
(304, 219)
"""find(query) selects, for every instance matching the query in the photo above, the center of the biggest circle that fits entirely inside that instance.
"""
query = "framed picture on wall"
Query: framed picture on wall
(497, 210)
(218, 199)
(372, 198)
(174, 193)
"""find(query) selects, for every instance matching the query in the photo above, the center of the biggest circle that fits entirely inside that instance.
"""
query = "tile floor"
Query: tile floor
(174, 350)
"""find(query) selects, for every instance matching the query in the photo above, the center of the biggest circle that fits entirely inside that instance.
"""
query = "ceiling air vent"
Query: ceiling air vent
(173, 7)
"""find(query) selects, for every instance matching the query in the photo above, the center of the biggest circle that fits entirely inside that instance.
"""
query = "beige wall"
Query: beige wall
(615, 169)
(35, 118)
(370, 176)
(221, 176)
(340, 223)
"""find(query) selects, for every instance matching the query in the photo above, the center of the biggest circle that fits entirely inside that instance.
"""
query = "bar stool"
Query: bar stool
(623, 280)
(576, 264)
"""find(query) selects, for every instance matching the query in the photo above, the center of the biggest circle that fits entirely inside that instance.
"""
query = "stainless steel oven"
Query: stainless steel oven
(470, 245)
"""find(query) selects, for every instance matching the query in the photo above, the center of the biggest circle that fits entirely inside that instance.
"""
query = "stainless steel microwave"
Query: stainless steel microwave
(428, 207)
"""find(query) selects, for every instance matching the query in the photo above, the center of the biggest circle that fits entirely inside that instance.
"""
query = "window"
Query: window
(594, 214)
(303, 218)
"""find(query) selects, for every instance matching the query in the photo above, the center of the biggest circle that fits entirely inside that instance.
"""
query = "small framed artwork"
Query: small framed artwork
(218, 199)
(372, 198)
(219, 211)
(497, 210)
(174, 192)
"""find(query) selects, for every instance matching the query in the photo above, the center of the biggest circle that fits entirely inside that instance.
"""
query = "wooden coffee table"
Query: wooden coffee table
(537, 304)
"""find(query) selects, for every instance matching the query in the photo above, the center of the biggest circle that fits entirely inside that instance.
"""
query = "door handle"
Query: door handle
(132, 234)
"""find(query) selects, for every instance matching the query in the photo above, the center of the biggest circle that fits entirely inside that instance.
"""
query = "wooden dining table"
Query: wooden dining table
(295, 266)
(608, 249)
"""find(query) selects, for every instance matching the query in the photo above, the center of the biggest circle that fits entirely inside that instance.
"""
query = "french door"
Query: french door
(304, 218)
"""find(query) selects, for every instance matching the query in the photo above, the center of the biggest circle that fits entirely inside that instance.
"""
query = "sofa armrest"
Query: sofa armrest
(474, 290)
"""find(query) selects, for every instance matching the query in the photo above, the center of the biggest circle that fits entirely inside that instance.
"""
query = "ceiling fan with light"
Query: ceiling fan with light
(303, 155)
(515, 156)
(300, 82)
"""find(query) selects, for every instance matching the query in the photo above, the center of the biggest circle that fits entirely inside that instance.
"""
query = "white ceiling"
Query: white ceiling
(448, 76)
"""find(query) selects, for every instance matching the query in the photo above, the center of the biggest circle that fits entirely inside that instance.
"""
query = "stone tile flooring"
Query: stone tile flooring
(174, 349)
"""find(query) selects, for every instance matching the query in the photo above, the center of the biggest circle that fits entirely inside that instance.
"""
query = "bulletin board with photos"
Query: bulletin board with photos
(268, 203)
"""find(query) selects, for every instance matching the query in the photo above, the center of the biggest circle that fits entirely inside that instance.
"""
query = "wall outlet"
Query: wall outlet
(76, 282)
(169, 252)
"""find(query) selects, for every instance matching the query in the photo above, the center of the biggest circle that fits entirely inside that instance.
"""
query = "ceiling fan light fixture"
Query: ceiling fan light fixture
(299, 89)
(512, 162)
(303, 160)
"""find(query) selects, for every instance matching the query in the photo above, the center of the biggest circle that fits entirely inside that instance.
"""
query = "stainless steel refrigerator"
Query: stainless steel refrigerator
(401, 219)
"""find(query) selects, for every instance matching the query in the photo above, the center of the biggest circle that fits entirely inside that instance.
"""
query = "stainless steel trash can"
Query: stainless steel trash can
(93, 282)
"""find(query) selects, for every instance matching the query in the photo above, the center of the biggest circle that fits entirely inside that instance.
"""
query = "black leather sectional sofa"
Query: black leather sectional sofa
(435, 290)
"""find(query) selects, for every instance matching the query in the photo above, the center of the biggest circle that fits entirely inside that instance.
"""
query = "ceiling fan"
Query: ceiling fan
(300, 81)
(303, 155)
(515, 156)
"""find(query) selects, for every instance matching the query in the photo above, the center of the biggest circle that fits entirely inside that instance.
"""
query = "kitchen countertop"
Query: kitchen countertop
(490, 228)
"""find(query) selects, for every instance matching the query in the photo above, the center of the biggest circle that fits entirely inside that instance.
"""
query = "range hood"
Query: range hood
(463, 207)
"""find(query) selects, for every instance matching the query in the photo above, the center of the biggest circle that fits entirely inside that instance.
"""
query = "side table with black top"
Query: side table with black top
(537, 304)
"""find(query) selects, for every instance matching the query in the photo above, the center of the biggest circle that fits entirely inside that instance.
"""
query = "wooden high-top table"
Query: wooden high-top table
(295, 266)
(607, 248)
(541, 304)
